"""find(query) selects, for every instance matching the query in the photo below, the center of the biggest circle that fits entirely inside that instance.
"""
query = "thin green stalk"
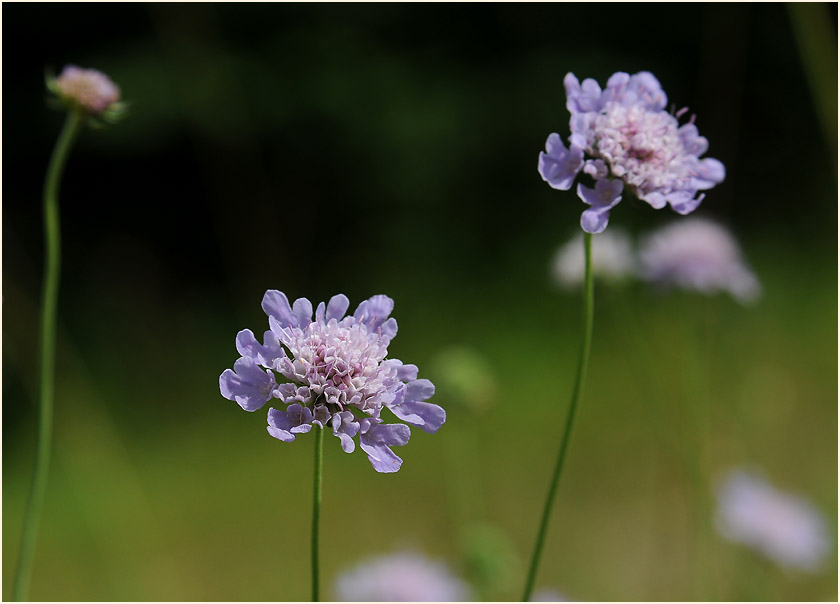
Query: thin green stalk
(577, 392)
(817, 42)
(49, 302)
(316, 508)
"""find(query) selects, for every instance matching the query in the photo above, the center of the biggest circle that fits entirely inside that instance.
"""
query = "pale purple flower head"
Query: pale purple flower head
(547, 594)
(336, 375)
(400, 577)
(783, 527)
(87, 88)
(623, 138)
(697, 254)
(613, 259)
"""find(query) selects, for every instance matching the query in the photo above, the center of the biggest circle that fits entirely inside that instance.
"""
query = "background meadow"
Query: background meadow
(392, 149)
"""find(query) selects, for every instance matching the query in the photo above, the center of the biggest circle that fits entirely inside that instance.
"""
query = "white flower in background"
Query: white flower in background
(700, 255)
(400, 577)
(612, 258)
(783, 527)
(547, 594)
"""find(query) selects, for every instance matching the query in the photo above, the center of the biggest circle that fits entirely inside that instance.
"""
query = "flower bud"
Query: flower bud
(87, 89)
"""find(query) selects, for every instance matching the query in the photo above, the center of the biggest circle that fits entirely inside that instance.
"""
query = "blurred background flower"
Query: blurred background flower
(700, 255)
(373, 148)
(400, 577)
(87, 88)
(547, 594)
(613, 258)
(781, 526)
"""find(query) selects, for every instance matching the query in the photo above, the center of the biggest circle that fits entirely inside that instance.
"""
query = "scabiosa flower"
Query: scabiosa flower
(700, 255)
(400, 577)
(624, 139)
(337, 375)
(88, 89)
(548, 594)
(613, 259)
(783, 527)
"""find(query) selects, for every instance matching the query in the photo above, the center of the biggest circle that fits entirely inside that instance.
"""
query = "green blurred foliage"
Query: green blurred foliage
(392, 149)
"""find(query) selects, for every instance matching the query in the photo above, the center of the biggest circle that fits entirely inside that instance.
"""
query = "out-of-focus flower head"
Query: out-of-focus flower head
(697, 254)
(400, 577)
(613, 259)
(337, 375)
(623, 138)
(783, 527)
(546, 594)
(89, 91)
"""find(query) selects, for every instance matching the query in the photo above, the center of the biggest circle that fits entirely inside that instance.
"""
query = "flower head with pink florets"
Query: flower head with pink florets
(88, 92)
(337, 375)
(624, 139)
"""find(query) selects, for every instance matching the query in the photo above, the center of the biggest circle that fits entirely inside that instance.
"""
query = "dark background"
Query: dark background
(392, 148)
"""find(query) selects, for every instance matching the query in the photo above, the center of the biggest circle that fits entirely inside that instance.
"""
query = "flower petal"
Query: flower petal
(345, 427)
(656, 200)
(581, 99)
(247, 384)
(302, 312)
(247, 345)
(337, 307)
(374, 313)
(266, 355)
(594, 220)
(615, 87)
(419, 390)
(426, 416)
(606, 193)
(283, 425)
(644, 88)
(376, 442)
(683, 202)
(292, 393)
(693, 143)
(709, 173)
(559, 166)
(275, 304)
(406, 373)
(596, 168)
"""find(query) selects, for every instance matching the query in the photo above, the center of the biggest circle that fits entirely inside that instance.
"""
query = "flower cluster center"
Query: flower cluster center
(343, 364)
(642, 147)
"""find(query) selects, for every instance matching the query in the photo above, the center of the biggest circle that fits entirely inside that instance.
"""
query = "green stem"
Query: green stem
(316, 507)
(577, 391)
(49, 302)
(817, 42)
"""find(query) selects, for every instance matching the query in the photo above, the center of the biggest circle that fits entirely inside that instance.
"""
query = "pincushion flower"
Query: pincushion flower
(783, 527)
(89, 89)
(336, 374)
(80, 92)
(400, 577)
(623, 138)
(697, 254)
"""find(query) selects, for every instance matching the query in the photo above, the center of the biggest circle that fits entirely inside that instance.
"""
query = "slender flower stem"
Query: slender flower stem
(577, 391)
(316, 507)
(49, 302)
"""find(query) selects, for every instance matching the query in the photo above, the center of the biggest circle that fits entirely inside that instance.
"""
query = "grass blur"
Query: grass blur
(325, 149)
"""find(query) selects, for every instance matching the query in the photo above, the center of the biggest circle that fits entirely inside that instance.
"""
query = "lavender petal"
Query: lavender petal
(558, 166)
(376, 442)
(426, 416)
(275, 304)
(248, 385)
